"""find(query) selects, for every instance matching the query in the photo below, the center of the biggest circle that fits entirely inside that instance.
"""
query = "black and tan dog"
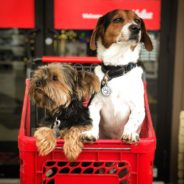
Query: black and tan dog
(60, 89)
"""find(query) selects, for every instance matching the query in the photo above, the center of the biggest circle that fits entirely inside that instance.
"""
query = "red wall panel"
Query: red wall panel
(17, 14)
(83, 14)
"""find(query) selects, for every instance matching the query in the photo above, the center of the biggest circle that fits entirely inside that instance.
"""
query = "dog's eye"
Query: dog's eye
(117, 20)
(54, 78)
(138, 21)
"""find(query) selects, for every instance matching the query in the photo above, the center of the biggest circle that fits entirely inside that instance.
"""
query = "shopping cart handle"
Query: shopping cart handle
(71, 59)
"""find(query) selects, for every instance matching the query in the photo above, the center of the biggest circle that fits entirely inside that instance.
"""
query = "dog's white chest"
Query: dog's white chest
(115, 109)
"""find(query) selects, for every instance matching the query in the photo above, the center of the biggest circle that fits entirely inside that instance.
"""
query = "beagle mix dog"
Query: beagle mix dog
(117, 111)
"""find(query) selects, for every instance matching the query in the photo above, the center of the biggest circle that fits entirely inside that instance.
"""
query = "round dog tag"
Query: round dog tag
(105, 90)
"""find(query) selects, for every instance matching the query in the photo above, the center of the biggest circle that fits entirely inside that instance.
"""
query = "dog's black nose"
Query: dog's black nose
(38, 83)
(134, 28)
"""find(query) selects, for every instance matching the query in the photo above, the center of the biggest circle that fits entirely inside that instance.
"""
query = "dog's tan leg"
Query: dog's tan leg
(45, 140)
(73, 143)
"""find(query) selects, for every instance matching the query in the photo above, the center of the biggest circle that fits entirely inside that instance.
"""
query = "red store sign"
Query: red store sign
(83, 14)
(17, 14)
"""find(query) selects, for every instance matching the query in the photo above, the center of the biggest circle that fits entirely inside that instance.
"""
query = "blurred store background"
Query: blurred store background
(30, 29)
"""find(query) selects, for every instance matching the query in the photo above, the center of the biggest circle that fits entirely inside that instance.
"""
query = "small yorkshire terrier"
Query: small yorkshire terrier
(60, 88)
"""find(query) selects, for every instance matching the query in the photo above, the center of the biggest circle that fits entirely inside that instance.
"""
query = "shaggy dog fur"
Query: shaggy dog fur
(60, 89)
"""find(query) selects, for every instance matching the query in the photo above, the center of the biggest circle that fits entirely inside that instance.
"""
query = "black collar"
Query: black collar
(117, 71)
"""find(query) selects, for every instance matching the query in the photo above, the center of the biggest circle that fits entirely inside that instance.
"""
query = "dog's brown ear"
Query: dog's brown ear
(96, 33)
(88, 84)
(92, 43)
(145, 37)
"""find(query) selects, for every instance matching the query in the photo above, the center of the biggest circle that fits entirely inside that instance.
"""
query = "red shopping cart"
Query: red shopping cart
(105, 161)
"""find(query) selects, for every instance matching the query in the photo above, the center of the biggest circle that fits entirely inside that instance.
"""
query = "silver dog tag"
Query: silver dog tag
(105, 90)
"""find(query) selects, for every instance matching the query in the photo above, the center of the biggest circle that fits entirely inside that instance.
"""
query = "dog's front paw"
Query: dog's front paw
(88, 137)
(45, 140)
(129, 136)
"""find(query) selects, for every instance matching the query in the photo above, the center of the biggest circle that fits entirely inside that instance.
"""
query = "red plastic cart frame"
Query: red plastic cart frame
(136, 159)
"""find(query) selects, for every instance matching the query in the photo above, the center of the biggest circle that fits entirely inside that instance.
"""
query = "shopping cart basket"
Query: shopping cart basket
(105, 161)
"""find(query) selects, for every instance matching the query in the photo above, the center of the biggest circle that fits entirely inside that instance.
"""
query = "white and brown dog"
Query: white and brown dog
(117, 112)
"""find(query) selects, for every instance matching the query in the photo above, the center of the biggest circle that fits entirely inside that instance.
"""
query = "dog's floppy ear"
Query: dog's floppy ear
(88, 84)
(92, 43)
(96, 33)
(145, 37)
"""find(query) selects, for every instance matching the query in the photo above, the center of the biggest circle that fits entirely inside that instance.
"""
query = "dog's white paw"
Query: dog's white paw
(89, 136)
(130, 136)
